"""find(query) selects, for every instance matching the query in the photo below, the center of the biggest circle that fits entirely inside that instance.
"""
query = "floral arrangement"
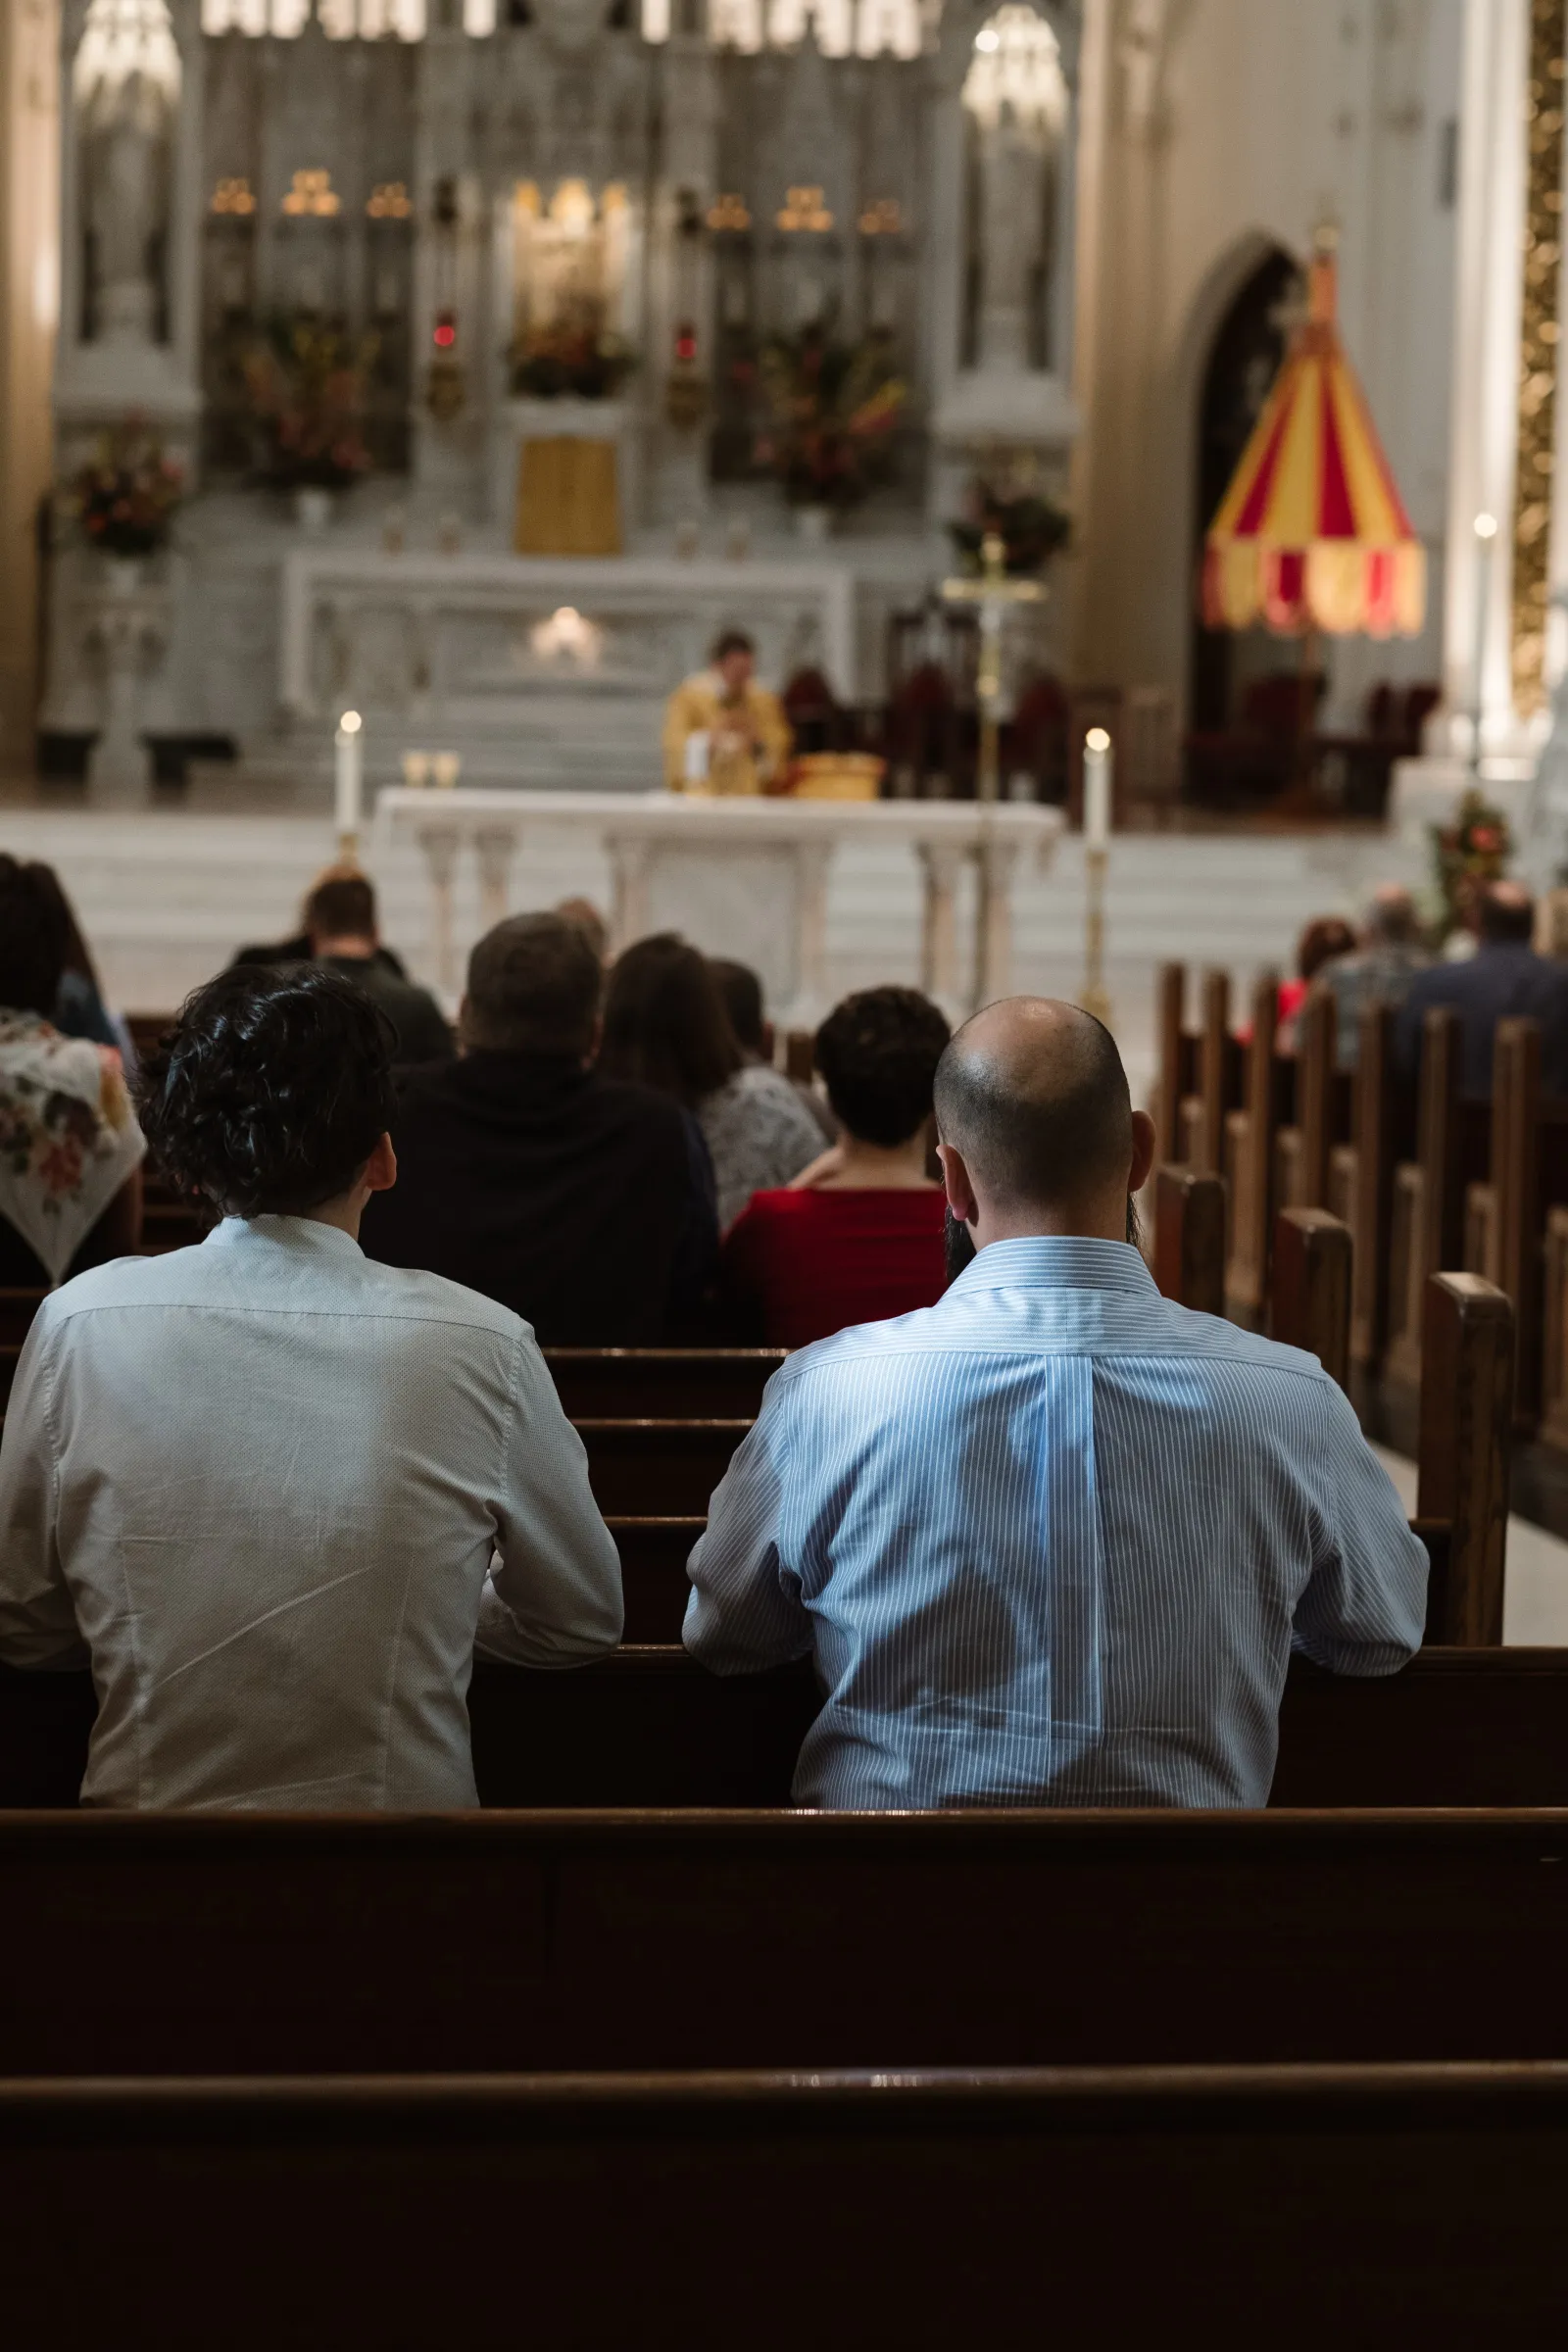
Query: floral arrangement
(569, 359)
(831, 407)
(308, 388)
(123, 498)
(1031, 527)
(1467, 853)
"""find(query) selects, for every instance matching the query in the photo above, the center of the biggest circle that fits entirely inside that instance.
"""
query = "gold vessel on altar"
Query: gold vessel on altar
(836, 776)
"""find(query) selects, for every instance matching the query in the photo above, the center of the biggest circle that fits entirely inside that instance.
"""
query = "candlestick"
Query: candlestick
(1097, 789)
(349, 775)
(1485, 529)
(1095, 997)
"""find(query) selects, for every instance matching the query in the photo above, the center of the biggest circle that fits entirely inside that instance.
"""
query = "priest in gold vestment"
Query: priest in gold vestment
(723, 733)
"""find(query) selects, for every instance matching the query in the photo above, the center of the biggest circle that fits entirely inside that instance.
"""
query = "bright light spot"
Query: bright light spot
(1097, 740)
(987, 40)
(1486, 527)
(351, 722)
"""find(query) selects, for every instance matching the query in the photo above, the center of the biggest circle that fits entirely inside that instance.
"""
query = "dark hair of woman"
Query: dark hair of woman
(666, 1024)
(877, 1055)
(272, 1090)
(74, 956)
(1329, 936)
(33, 941)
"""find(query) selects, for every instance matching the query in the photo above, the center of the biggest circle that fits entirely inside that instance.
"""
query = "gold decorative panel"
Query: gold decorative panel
(1539, 339)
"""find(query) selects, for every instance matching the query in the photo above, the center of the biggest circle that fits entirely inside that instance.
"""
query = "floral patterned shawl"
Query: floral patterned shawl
(69, 1137)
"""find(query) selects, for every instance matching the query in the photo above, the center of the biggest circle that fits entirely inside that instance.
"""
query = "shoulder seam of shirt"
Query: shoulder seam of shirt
(796, 1368)
(198, 1306)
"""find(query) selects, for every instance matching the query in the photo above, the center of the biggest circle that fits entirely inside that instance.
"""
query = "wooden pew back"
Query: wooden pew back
(1150, 2206)
(192, 1944)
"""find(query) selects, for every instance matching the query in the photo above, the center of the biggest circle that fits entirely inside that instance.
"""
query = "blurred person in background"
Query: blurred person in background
(581, 1202)
(742, 992)
(70, 1150)
(858, 1236)
(1504, 978)
(341, 929)
(587, 917)
(80, 1008)
(1379, 970)
(1327, 936)
(665, 1025)
(297, 948)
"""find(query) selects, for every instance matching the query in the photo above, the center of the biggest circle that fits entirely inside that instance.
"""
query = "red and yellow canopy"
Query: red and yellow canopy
(1312, 533)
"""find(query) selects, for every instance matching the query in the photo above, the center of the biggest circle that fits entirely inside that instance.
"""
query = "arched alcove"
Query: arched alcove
(1244, 360)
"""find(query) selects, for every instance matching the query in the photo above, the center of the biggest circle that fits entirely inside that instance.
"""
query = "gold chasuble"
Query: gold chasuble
(719, 742)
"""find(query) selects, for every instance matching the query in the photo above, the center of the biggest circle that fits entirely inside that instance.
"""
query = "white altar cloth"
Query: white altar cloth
(746, 879)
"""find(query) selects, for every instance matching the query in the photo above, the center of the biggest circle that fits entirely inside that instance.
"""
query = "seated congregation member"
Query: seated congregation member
(1053, 1540)
(667, 1026)
(1503, 978)
(297, 948)
(1380, 970)
(742, 992)
(80, 1009)
(858, 1236)
(70, 1150)
(580, 1201)
(340, 923)
(270, 1490)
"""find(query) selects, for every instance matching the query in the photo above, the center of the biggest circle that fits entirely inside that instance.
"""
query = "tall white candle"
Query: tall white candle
(350, 771)
(1097, 789)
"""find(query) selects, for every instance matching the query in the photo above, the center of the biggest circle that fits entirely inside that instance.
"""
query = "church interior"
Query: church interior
(947, 502)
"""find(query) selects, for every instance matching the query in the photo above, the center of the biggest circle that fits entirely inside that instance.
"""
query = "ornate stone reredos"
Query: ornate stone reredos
(126, 41)
(572, 25)
(963, 20)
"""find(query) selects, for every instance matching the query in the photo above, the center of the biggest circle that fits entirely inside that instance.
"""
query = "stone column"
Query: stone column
(496, 846)
(939, 930)
(440, 846)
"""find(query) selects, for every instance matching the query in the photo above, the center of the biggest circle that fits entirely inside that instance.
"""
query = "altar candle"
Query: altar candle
(1097, 789)
(350, 771)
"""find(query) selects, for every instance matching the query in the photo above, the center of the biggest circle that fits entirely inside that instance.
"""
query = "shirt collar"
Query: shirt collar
(305, 1236)
(1057, 1262)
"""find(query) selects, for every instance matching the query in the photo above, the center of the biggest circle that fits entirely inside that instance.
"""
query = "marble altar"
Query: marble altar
(747, 878)
(538, 669)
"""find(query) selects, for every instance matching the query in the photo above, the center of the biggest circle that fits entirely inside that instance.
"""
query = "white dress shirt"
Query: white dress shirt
(259, 1484)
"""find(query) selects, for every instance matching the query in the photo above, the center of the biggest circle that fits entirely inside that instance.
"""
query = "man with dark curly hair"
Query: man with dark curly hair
(274, 1491)
(858, 1234)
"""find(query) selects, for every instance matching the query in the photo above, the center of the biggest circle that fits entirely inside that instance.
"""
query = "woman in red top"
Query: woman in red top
(858, 1236)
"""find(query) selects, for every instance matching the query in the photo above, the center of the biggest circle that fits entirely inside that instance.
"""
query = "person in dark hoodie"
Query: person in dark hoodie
(583, 1203)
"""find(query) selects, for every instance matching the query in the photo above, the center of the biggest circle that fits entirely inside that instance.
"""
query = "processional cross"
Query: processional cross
(994, 594)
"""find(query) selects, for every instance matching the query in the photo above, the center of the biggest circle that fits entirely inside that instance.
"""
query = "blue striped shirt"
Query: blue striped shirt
(1049, 1542)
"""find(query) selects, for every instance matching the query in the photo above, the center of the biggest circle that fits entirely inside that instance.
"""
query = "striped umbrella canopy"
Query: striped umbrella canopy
(1312, 532)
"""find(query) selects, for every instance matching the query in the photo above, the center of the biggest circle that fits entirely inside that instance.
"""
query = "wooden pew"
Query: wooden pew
(663, 1469)
(1310, 1306)
(1427, 1223)
(651, 1728)
(1223, 2205)
(1174, 1058)
(17, 1310)
(1361, 1183)
(1250, 1162)
(679, 1384)
(654, 1553)
(1189, 1238)
(1321, 1097)
(1507, 1213)
(183, 1945)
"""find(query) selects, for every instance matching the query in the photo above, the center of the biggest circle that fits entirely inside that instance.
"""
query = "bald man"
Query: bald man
(1052, 1540)
(1504, 979)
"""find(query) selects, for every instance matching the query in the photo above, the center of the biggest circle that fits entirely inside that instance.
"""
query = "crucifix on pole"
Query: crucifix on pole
(994, 595)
